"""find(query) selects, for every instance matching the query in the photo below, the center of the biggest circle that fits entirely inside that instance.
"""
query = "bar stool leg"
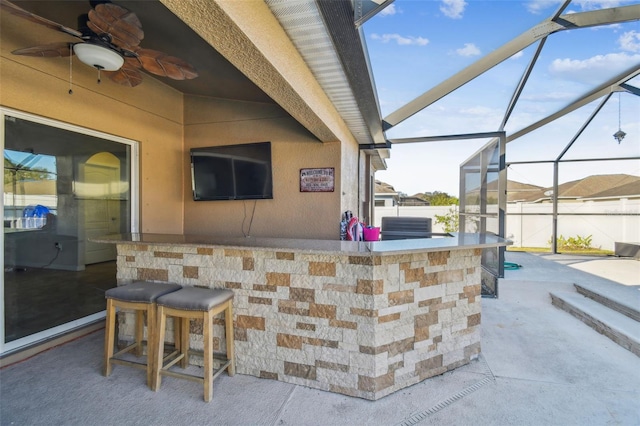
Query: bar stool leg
(185, 324)
(208, 355)
(151, 346)
(228, 322)
(176, 332)
(109, 336)
(139, 332)
(162, 320)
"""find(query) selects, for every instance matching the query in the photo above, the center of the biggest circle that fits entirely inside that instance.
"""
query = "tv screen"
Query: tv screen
(232, 172)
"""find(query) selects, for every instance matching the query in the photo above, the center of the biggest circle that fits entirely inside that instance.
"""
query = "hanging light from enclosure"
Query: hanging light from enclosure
(619, 135)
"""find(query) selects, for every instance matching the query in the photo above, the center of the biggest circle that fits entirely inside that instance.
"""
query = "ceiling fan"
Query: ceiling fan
(110, 41)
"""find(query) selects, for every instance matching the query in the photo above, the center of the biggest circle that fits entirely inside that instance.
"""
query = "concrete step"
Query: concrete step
(616, 326)
(621, 298)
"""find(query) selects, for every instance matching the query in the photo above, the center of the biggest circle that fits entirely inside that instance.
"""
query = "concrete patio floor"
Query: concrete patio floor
(539, 366)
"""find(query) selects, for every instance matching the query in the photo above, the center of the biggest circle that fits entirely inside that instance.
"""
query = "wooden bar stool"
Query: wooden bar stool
(195, 303)
(139, 296)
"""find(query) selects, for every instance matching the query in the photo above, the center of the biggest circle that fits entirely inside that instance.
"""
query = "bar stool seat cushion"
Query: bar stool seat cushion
(141, 291)
(195, 298)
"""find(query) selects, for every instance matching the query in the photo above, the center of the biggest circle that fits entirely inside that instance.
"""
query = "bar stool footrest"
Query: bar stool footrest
(174, 361)
(140, 365)
(129, 348)
(180, 375)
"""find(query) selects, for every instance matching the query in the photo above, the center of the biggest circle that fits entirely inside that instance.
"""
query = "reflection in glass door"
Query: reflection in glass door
(62, 186)
(98, 189)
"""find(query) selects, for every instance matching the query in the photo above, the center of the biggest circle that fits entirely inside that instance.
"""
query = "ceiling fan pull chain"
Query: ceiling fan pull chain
(99, 68)
(70, 71)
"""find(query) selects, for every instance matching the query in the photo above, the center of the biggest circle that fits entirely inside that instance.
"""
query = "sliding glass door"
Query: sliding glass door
(63, 185)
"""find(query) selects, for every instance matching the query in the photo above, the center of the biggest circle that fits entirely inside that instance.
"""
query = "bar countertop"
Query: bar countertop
(457, 241)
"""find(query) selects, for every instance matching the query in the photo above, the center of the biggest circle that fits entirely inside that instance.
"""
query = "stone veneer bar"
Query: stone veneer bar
(361, 319)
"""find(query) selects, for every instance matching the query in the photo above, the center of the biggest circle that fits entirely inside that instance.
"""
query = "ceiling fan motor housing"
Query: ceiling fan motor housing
(98, 56)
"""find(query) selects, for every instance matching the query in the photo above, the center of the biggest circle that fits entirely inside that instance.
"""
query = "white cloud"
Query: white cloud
(630, 41)
(453, 8)
(479, 110)
(537, 7)
(596, 4)
(401, 40)
(469, 49)
(517, 55)
(549, 97)
(594, 70)
(389, 10)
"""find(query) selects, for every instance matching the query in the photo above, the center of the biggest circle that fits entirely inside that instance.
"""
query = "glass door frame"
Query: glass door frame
(6, 348)
(482, 162)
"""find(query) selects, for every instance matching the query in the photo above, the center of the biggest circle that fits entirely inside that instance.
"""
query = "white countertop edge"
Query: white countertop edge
(335, 247)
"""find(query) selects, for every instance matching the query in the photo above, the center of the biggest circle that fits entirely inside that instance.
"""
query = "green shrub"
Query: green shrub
(450, 221)
(573, 243)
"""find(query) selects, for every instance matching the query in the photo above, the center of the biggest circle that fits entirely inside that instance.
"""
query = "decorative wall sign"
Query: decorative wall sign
(317, 180)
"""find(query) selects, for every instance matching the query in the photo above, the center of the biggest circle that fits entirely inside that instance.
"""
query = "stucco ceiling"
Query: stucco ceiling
(165, 32)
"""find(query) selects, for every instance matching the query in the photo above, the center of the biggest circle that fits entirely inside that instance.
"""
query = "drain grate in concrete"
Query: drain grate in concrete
(420, 416)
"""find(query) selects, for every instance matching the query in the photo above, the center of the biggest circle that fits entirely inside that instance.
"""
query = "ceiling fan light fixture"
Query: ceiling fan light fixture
(98, 56)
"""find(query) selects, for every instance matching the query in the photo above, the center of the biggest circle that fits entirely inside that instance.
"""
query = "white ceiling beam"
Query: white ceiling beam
(523, 81)
(445, 138)
(602, 90)
(594, 18)
(539, 31)
(367, 9)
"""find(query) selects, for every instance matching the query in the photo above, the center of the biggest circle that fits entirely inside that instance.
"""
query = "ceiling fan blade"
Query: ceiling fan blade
(126, 76)
(122, 25)
(161, 64)
(11, 8)
(52, 50)
(132, 62)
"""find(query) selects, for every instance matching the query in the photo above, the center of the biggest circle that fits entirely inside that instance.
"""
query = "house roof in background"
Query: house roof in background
(414, 200)
(630, 189)
(595, 186)
(513, 186)
(384, 188)
(518, 191)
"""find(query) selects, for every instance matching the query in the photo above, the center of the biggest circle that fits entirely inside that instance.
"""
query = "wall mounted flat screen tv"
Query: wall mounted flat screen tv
(232, 172)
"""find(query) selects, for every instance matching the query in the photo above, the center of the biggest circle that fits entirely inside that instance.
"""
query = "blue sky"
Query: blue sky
(40, 161)
(416, 44)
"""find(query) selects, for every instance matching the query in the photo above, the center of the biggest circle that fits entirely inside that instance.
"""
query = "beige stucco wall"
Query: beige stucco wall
(290, 213)
(150, 114)
(166, 125)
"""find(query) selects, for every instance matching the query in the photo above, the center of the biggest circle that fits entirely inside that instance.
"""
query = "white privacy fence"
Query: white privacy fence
(414, 211)
(530, 225)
